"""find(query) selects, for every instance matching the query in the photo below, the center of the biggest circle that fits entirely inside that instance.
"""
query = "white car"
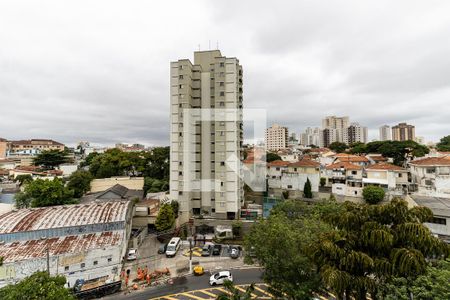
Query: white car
(220, 278)
(132, 254)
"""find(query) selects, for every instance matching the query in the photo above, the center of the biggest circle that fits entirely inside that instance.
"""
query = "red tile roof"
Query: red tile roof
(278, 163)
(344, 165)
(307, 163)
(432, 161)
(385, 166)
(377, 158)
(351, 158)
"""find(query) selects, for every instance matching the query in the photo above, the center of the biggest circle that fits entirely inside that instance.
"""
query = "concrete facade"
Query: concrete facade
(206, 135)
(276, 137)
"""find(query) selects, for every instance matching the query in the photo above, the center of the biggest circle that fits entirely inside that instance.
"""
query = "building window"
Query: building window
(431, 170)
(195, 211)
(222, 93)
(180, 163)
(110, 259)
(400, 175)
(440, 221)
(222, 64)
(222, 163)
(180, 134)
(180, 173)
(222, 83)
(181, 67)
(295, 169)
(180, 77)
(221, 183)
(354, 172)
(222, 103)
(213, 209)
(66, 268)
(83, 265)
(180, 193)
(289, 186)
(95, 262)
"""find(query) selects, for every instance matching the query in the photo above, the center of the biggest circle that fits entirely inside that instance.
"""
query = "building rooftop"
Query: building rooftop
(344, 165)
(385, 166)
(17, 251)
(351, 158)
(278, 163)
(36, 142)
(308, 163)
(439, 206)
(432, 161)
(62, 216)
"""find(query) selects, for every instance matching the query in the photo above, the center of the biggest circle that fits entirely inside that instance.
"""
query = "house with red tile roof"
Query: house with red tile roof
(345, 178)
(392, 178)
(432, 176)
(354, 159)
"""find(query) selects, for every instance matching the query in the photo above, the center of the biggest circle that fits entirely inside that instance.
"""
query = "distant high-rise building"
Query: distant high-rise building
(330, 135)
(356, 134)
(311, 136)
(203, 151)
(385, 133)
(403, 132)
(293, 139)
(340, 124)
(276, 137)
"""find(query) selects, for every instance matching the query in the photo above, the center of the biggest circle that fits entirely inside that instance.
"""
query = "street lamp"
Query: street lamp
(190, 254)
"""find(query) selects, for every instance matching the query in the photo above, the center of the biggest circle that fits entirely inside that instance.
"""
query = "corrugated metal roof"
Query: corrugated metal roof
(18, 251)
(62, 216)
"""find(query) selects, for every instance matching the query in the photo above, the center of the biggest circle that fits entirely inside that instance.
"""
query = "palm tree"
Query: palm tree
(234, 293)
(373, 243)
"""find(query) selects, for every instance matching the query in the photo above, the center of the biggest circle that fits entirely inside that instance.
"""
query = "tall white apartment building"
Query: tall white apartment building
(340, 125)
(356, 134)
(206, 135)
(385, 133)
(276, 137)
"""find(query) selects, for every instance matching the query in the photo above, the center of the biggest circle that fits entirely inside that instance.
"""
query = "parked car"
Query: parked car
(132, 254)
(206, 250)
(162, 248)
(198, 270)
(217, 249)
(234, 252)
(220, 278)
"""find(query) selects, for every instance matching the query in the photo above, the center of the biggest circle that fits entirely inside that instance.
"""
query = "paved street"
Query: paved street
(190, 283)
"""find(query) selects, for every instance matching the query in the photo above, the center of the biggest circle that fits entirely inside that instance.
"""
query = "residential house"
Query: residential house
(345, 179)
(354, 159)
(392, 178)
(115, 193)
(440, 224)
(274, 172)
(432, 176)
(294, 178)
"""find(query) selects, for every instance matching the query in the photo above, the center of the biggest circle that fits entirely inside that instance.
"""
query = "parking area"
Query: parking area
(260, 292)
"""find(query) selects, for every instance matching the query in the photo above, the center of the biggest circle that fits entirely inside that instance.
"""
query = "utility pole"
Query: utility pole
(190, 255)
(48, 262)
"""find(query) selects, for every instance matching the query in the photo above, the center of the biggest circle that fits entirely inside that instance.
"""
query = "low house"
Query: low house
(115, 193)
(432, 176)
(392, 178)
(293, 178)
(274, 171)
(345, 178)
(35, 172)
(354, 159)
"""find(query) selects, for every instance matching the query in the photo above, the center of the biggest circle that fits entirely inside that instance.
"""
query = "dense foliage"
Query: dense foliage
(397, 150)
(166, 218)
(444, 144)
(80, 183)
(24, 178)
(36, 287)
(282, 242)
(272, 157)
(232, 293)
(338, 147)
(50, 159)
(350, 249)
(373, 194)
(42, 192)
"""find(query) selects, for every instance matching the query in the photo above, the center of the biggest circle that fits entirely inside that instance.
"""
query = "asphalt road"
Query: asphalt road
(189, 283)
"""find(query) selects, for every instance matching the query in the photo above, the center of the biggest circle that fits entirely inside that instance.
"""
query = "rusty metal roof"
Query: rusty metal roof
(62, 216)
(23, 250)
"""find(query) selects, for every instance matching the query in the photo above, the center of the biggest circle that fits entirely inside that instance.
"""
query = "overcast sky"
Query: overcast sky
(99, 70)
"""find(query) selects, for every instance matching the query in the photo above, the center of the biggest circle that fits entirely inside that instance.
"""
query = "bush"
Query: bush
(373, 194)
(323, 181)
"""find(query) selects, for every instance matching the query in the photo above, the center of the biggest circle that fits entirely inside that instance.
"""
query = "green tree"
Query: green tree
(24, 178)
(373, 194)
(234, 293)
(400, 151)
(50, 159)
(338, 147)
(444, 144)
(38, 286)
(432, 285)
(42, 192)
(175, 207)
(157, 163)
(374, 243)
(323, 181)
(307, 192)
(272, 157)
(281, 244)
(153, 185)
(80, 183)
(166, 218)
(358, 148)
